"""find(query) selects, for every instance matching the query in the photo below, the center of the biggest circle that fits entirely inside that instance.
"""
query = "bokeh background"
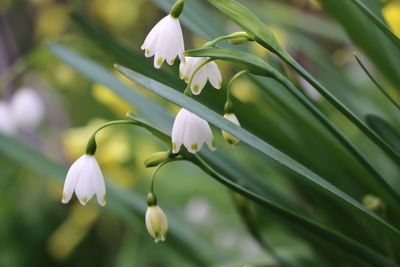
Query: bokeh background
(55, 110)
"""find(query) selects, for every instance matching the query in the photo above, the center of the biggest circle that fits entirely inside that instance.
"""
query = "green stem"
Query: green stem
(232, 80)
(153, 176)
(187, 89)
(383, 91)
(91, 145)
(228, 37)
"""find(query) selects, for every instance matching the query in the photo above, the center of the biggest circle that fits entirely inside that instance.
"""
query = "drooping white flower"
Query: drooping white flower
(27, 108)
(165, 42)
(227, 136)
(210, 72)
(85, 178)
(7, 125)
(191, 131)
(156, 223)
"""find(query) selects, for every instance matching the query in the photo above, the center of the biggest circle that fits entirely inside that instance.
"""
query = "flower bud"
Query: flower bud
(227, 136)
(241, 38)
(156, 223)
(156, 159)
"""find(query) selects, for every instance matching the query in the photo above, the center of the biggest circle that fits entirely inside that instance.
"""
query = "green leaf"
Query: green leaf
(256, 143)
(256, 28)
(384, 129)
(256, 65)
(384, 28)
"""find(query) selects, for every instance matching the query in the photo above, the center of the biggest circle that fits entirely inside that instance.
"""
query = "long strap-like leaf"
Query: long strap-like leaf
(259, 31)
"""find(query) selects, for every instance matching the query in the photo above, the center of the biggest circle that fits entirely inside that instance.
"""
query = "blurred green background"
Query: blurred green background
(37, 230)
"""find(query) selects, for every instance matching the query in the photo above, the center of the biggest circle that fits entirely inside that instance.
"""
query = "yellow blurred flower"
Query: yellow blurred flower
(391, 12)
(118, 15)
(51, 21)
(68, 236)
(104, 95)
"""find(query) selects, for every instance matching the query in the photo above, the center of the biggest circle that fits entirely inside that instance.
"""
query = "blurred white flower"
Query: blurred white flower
(191, 131)
(227, 136)
(165, 42)
(198, 210)
(210, 72)
(27, 108)
(7, 125)
(156, 223)
(85, 178)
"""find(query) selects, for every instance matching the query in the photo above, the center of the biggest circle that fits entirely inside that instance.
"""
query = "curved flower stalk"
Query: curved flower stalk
(227, 136)
(165, 40)
(85, 178)
(209, 71)
(191, 131)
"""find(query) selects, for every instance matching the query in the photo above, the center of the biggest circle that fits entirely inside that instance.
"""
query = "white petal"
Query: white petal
(232, 118)
(150, 43)
(170, 41)
(178, 130)
(85, 187)
(199, 81)
(99, 185)
(72, 178)
(214, 75)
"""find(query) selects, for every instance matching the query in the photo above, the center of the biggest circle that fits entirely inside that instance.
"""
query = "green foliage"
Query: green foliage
(303, 167)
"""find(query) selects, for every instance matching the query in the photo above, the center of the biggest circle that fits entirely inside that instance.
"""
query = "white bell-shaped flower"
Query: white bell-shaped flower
(209, 71)
(7, 124)
(85, 178)
(227, 136)
(27, 108)
(156, 223)
(165, 42)
(191, 131)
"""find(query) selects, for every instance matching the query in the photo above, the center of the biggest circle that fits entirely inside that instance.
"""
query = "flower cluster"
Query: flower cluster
(165, 43)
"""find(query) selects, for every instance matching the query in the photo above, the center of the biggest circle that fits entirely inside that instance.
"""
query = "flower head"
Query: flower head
(165, 42)
(227, 136)
(156, 223)
(85, 178)
(209, 71)
(191, 131)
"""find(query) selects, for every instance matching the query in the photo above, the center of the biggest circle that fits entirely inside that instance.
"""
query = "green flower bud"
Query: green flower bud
(156, 159)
